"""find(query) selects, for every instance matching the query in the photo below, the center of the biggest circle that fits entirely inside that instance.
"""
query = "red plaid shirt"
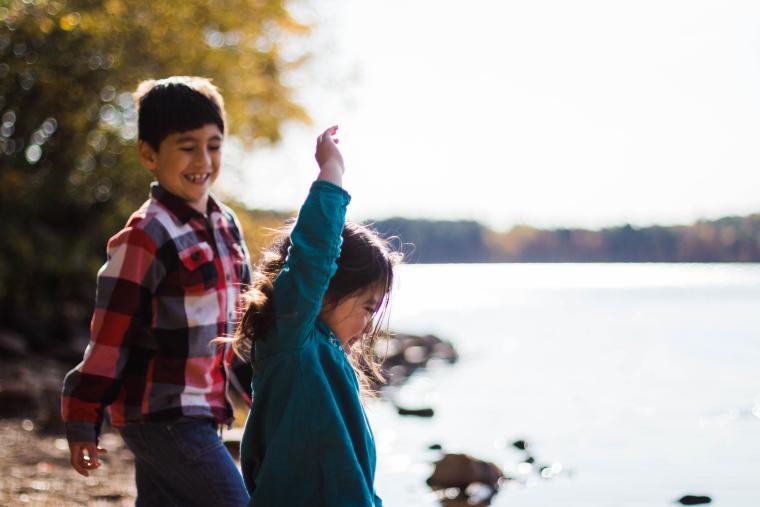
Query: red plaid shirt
(171, 284)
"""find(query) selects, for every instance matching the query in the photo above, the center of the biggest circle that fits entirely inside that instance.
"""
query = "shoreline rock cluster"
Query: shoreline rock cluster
(461, 479)
(405, 354)
(30, 405)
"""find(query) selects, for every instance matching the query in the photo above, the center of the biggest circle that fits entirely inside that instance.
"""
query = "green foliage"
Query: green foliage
(68, 174)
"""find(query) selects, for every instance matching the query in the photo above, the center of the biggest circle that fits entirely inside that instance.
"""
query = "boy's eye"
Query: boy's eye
(214, 148)
(187, 149)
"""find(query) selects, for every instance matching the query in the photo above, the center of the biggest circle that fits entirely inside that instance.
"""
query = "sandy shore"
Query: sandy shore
(35, 471)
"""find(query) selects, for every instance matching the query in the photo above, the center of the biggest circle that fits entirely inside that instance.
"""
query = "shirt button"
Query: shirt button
(228, 277)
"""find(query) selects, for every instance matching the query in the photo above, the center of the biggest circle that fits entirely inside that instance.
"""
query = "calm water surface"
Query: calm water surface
(642, 381)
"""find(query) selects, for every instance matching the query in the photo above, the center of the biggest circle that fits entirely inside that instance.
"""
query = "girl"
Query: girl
(313, 313)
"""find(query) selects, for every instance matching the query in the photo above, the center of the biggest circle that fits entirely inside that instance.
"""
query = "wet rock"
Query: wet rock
(419, 412)
(694, 500)
(461, 470)
(478, 493)
(109, 498)
(550, 471)
(403, 354)
(520, 444)
(416, 355)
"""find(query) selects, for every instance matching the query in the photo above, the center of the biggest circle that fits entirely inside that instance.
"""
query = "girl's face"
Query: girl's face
(351, 318)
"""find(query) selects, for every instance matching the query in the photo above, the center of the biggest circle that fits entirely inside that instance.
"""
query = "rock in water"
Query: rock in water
(403, 354)
(461, 470)
(419, 412)
(694, 500)
(520, 444)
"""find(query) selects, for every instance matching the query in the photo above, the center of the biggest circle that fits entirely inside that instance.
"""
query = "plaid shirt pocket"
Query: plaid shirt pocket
(198, 271)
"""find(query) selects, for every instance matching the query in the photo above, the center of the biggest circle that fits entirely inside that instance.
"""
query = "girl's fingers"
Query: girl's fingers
(328, 133)
(102, 451)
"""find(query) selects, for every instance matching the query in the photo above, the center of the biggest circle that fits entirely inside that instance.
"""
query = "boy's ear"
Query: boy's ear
(148, 156)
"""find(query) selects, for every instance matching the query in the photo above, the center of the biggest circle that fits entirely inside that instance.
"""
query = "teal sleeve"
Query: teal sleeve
(310, 264)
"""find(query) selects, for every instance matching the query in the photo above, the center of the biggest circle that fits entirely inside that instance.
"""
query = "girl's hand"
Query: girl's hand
(84, 456)
(329, 158)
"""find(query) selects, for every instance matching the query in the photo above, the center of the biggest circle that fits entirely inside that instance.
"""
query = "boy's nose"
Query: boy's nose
(203, 159)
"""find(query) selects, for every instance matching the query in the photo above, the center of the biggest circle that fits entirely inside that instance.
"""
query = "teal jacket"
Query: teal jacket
(307, 441)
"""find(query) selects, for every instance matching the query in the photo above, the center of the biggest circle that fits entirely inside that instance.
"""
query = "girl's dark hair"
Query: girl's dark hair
(176, 104)
(365, 259)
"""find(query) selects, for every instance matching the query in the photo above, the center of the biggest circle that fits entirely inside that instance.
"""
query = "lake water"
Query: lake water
(641, 380)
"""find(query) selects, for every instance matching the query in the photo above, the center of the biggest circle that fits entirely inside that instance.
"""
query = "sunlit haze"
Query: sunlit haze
(550, 113)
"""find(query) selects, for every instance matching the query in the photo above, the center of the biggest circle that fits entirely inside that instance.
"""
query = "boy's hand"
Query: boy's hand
(329, 158)
(84, 456)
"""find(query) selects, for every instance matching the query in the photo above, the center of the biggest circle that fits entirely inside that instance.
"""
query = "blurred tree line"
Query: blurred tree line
(69, 177)
(731, 239)
(438, 241)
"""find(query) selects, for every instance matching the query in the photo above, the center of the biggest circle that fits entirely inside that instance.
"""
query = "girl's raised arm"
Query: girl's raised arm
(314, 251)
(328, 157)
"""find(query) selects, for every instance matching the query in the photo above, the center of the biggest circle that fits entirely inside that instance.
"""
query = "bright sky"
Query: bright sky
(550, 113)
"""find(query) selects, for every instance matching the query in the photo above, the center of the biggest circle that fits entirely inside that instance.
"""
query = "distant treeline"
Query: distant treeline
(731, 239)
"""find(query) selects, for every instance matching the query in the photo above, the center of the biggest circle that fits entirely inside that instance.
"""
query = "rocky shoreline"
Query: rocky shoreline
(34, 458)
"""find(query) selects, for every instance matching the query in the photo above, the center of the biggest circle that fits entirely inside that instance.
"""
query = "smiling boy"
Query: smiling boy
(171, 285)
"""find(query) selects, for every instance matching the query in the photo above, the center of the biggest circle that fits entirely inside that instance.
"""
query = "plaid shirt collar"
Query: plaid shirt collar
(179, 207)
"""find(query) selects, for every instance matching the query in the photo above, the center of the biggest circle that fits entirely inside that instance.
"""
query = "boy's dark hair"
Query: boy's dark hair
(176, 104)
(365, 260)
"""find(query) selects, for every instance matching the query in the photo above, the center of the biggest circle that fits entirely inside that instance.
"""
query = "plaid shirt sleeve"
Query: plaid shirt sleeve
(125, 285)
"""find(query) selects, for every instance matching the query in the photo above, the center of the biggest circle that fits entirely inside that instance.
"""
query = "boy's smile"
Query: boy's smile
(187, 163)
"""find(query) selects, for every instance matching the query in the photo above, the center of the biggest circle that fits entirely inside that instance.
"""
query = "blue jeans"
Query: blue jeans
(183, 463)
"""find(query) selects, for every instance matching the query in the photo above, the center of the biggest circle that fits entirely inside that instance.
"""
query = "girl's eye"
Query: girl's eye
(187, 149)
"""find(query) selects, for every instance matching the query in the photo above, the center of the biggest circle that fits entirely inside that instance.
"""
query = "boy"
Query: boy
(170, 286)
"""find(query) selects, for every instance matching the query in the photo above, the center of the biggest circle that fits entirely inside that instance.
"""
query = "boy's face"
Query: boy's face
(186, 163)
